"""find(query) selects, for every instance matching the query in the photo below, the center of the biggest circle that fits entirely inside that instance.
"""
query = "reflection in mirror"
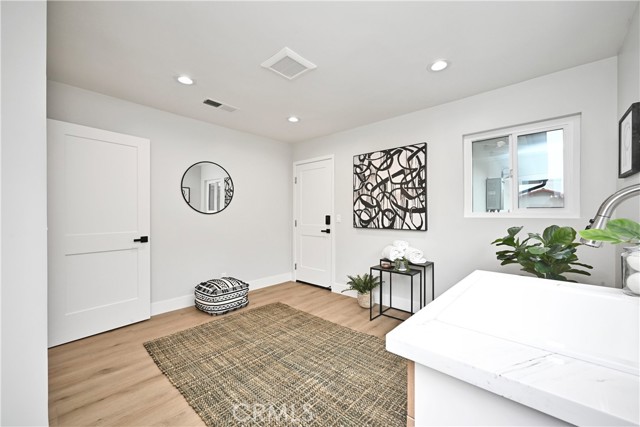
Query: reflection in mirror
(207, 187)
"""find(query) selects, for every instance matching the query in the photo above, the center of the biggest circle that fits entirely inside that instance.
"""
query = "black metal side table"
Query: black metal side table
(423, 267)
(411, 273)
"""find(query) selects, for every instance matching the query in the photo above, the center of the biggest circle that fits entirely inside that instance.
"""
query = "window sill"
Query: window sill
(524, 215)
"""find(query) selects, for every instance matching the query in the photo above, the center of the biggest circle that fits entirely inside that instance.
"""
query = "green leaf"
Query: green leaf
(362, 284)
(509, 241)
(535, 236)
(524, 244)
(554, 276)
(505, 241)
(562, 254)
(512, 231)
(584, 273)
(625, 228)
(548, 232)
(529, 268)
(582, 265)
(561, 235)
(542, 267)
(600, 235)
(537, 250)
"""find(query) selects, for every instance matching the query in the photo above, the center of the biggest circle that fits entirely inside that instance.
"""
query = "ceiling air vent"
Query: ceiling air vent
(220, 105)
(288, 64)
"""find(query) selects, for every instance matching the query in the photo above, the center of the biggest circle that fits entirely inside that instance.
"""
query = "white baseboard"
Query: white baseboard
(339, 287)
(269, 281)
(185, 301)
(177, 303)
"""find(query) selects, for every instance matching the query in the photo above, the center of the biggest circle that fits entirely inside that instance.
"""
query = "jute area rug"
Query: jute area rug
(277, 366)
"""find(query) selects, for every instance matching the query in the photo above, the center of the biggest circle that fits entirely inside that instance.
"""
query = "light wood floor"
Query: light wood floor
(109, 379)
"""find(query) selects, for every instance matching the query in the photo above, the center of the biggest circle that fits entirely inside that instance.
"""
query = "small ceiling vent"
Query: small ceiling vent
(288, 64)
(220, 105)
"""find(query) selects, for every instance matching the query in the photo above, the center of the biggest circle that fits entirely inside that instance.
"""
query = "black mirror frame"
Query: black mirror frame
(189, 204)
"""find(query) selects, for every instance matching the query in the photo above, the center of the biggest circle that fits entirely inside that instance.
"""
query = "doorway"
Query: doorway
(313, 221)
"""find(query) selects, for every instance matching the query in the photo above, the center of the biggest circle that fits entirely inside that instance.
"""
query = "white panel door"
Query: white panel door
(98, 206)
(313, 209)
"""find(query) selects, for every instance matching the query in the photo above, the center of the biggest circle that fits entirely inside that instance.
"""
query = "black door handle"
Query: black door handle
(142, 239)
(328, 231)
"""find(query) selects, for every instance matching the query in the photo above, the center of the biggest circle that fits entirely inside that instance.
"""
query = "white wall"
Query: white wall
(456, 244)
(629, 66)
(24, 216)
(250, 239)
(628, 93)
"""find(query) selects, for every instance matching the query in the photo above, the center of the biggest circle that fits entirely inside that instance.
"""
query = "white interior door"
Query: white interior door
(314, 222)
(98, 205)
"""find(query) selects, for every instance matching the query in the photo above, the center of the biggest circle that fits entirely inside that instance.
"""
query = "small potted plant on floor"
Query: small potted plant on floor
(363, 285)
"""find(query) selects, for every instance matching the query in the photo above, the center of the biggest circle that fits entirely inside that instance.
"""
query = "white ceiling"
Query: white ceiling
(372, 57)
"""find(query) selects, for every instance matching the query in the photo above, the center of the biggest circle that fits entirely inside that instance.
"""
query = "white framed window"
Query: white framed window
(524, 171)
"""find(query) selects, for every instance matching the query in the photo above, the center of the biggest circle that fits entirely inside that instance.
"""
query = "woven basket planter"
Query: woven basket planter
(363, 300)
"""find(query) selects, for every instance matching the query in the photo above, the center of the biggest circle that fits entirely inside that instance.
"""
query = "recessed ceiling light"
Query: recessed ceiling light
(293, 119)
(185, 80)
(439, 65)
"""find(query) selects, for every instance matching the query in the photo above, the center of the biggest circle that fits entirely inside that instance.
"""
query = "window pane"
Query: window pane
(540, 170)
(491, 175)
(212, 197)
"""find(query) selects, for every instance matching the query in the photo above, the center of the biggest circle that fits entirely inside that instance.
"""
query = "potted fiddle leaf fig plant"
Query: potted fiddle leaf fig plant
(363, 285)
(548, 256)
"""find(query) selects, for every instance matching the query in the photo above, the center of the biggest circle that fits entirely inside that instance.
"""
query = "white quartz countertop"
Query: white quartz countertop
(568, 350)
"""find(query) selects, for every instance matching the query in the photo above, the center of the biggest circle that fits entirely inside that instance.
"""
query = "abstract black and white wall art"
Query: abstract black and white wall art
(390, 188)
(228, 190)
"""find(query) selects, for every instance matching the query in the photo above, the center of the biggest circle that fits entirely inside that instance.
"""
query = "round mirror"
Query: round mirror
(207, 187)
